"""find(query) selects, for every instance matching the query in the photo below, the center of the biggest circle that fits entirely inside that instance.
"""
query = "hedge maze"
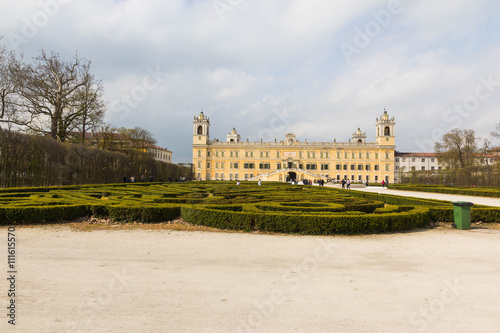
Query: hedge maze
(272, 207)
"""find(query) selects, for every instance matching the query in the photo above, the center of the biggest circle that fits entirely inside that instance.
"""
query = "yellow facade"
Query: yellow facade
(290, 158)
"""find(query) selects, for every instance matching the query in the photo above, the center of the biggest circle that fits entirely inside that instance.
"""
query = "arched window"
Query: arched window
(200, 129)
(360, 141)
(387, 130)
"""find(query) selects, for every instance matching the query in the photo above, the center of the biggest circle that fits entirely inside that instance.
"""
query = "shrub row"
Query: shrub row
(474, 191)
(55, 213)
(313, 224)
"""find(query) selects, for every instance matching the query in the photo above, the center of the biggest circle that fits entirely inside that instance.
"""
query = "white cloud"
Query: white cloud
(267, 57)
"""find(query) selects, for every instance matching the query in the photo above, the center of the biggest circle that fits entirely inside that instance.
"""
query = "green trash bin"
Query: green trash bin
(461, 212)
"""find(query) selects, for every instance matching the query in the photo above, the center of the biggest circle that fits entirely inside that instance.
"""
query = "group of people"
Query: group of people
(143, 179)
(346, 183)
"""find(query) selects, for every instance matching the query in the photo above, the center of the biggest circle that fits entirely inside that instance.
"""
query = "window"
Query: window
(325, 167)
(367, 155)
(404, 159)
(261, 154)
(353, 155)
(236, 154)
(397, 159)
(376, 178)
(360, 155)
(216, 175)
(216, 154)
(236, 165)
(311, 166)
(278, 166)
(300, 154)
(376, 167)
(423, 159)
(360, 167)
(338, 167)
(222, 154)
(346, 155)
(376, 156)
(387, 155)
(277, 154)
(413, 159)
(208, 164)
(231, 154)
(200, 130)
(222, 176)
(433, 159)
(423, 168)
(432, 168)
(345, 166)
(367, 167)
(216, 166)
(199, 165)
(397, 168)
(199, 153)
(338, 154)
(353, 167)
(222, 165)
(301, 166)
(248, 165)
(235, 176)
(387, 168)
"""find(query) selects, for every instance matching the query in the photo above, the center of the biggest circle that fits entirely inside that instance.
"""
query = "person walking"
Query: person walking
(383, 183)
(260, 182)
(348, 184)
(343, 183)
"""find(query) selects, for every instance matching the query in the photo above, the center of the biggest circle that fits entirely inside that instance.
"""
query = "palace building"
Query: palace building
(291, 159)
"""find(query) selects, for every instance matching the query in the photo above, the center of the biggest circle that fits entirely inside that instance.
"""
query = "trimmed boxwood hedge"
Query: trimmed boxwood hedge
(313, 224)
(273, 207)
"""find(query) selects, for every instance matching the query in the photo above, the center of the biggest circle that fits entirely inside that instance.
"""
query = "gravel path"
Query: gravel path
(436, 280)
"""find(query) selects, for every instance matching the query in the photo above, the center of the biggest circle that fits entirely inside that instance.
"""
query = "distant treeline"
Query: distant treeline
(27, 160)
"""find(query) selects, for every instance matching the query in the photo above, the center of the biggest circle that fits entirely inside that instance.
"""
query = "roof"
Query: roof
(159, 148)
(400, 154)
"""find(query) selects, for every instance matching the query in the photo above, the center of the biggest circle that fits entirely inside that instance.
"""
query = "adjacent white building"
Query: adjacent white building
(160, 154)
(407, 162)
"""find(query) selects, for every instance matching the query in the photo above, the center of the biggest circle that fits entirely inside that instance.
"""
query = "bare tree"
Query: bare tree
(91, 108)
(496, 133)
(458, 148)
(48, 91)
(106, 136)
(136, 138)
(7, 85)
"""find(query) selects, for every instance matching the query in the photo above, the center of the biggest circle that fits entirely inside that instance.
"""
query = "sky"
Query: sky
(316, 68)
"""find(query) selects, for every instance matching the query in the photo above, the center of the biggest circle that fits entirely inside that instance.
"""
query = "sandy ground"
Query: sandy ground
(436, 280)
